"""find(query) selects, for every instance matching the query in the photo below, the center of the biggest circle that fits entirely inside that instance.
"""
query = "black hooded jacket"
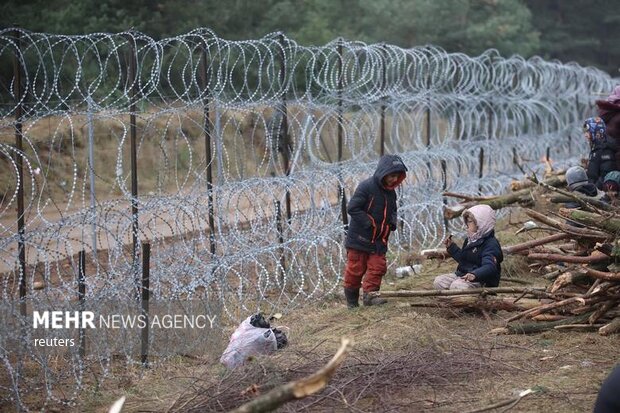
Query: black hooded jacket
(483, 258)
(602, 161)
(373, 209)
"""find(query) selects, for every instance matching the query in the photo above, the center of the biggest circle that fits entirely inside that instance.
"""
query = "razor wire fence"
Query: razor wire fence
(233, 161)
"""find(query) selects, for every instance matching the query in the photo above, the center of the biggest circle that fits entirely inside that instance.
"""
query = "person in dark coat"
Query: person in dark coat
(608, 399)
(609, 111)
(602, 158)
(373, 213)
(611, 187)
(479, 261)
(577, 181)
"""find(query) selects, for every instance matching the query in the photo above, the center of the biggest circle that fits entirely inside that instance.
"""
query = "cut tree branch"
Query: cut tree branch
(576, 231)
(540, 326)
(602, 275)
(610, 328)
(441, 253)
(608, 224)
(569, 258)
(537, 292)
(523, 196)
(297, 389)
(534, 243)
(558, 180)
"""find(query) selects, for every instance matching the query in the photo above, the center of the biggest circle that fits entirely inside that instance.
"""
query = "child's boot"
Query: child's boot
(371, 300)
(352, 295)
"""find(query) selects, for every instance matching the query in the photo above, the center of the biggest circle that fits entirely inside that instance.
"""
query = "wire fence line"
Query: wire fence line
(233, 161)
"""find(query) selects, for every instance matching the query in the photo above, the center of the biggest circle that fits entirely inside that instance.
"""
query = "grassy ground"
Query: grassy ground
(405, 358)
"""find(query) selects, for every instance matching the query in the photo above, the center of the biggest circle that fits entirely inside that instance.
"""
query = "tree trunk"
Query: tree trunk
(570, 258)
(558, 180)
(602, 310)
(585, 201)
(579, 232)
(530, 244)
(524, 196)
(608, 224)
(441, 253)
(602, 275)
(610, 328)
(484, 303)
(540, 326)
(537, 292)
(567, 278)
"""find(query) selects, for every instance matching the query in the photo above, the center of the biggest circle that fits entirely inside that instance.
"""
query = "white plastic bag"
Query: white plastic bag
(248, 341)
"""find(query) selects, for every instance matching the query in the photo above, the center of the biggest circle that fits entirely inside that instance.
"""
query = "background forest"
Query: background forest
(570, 30)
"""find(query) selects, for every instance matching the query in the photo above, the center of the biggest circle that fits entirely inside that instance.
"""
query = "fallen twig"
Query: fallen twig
(537, 292)
(297, 389)
(512, 402)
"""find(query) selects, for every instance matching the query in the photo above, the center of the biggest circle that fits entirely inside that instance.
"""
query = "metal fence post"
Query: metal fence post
(21, 246)
(145, 296)
(209, 157)
(286, 146)
(282, 272)
(383, 98)
(480, 168)
(341, 191)
(132, 77)
(444, 187)
(91, 170)
(82, 299)
(428, 124)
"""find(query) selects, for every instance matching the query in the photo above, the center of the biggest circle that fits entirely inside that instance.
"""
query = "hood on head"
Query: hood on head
(576, 177)
(615, 95)
(484, 216)
(613, 176)
(389, 164)
(595, 130)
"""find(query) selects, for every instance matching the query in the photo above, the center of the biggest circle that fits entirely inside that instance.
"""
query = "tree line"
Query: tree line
(569, 30)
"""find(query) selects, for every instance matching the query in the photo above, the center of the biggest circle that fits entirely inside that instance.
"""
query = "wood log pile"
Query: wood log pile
(578, 261)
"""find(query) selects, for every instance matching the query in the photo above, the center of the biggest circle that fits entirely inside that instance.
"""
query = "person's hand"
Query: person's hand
(469, 277)
(448, 241)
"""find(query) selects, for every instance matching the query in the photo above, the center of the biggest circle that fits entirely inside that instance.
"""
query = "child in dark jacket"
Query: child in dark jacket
(577, 181)
(373, 214)
(479, 261)
(611, 187)
(602, 158)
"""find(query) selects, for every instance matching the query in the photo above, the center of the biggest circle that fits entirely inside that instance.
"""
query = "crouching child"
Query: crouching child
(479, 260)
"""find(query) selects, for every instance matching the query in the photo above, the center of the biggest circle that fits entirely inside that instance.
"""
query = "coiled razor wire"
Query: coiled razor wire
(460, 123)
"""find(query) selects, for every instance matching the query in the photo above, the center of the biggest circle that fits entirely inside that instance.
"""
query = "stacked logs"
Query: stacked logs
(577, 262)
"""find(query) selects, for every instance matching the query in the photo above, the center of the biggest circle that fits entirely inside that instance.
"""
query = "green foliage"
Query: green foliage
(566, 29)
(577, 30)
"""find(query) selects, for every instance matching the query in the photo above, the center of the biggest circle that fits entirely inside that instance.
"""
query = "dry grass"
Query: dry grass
(404, 359)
